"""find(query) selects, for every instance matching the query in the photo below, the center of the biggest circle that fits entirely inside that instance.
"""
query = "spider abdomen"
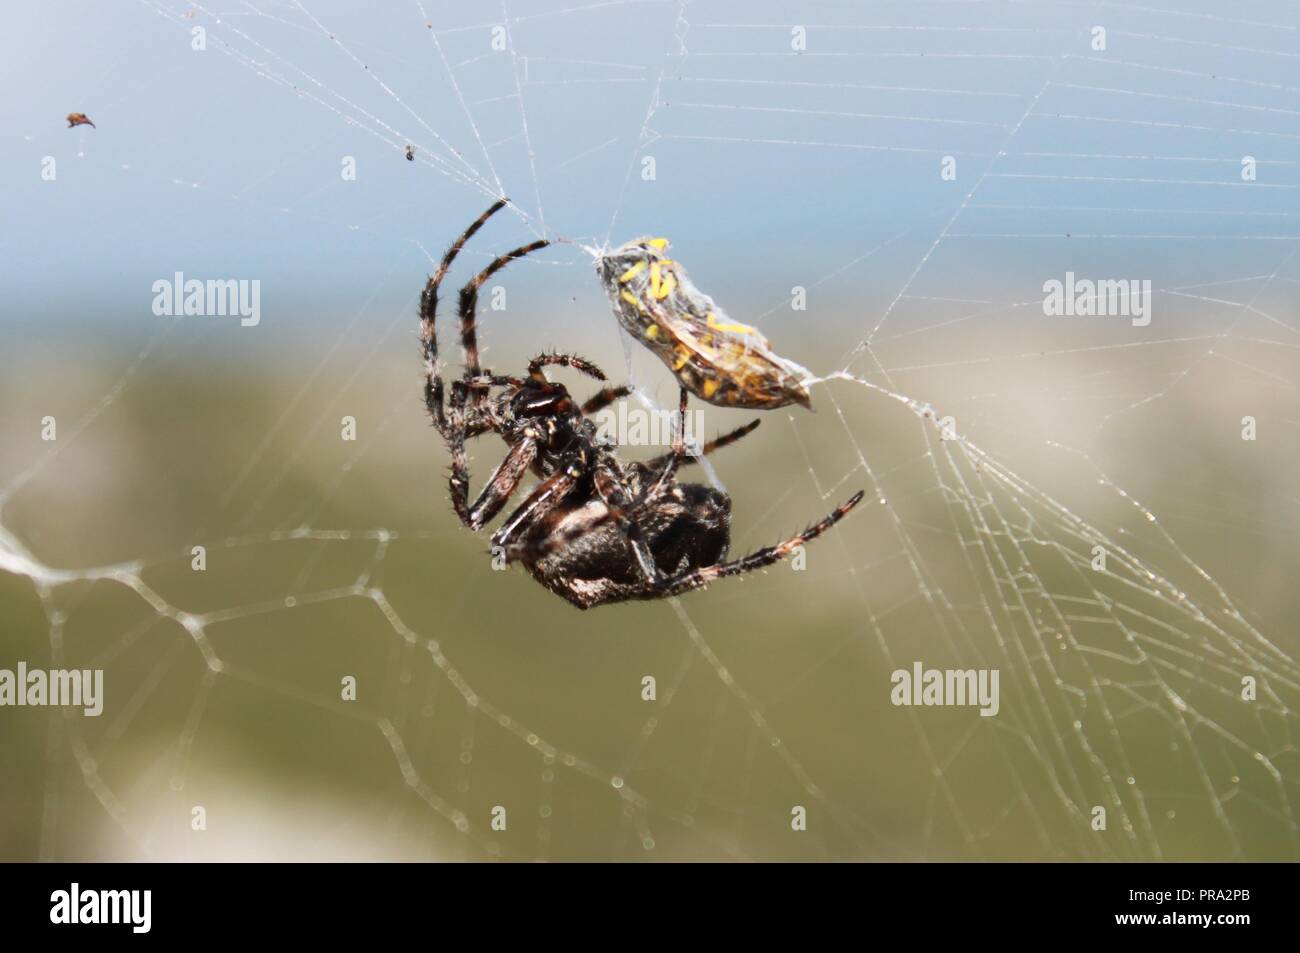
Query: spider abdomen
(684, 530)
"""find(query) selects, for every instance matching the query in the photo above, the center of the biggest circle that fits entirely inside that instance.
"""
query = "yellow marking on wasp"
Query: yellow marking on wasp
(737, 328)
(660, 243)
(654, 278)
(711, 388)
(666, 287)
(652, 332)
(683, 356)
(631, 273)
(632, 299)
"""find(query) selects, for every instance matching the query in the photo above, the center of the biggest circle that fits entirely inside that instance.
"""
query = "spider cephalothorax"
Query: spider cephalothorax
(593, 529)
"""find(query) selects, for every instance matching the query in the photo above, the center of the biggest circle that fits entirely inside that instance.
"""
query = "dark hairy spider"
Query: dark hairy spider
(594, 529)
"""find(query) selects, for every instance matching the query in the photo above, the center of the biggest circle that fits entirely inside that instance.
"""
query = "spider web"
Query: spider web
(1002, 450)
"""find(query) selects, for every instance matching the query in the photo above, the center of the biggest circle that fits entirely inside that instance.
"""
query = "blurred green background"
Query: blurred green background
(710, 769)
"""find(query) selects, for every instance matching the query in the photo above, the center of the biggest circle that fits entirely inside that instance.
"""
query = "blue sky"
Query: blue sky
(774, 167)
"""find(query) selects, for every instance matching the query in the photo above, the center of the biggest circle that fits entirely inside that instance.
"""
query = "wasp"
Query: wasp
(715, 358)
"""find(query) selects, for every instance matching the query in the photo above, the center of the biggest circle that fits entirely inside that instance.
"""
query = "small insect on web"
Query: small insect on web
(713, 357)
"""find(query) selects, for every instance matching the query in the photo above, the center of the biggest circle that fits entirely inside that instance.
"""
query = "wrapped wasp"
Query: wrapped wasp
(713, 357)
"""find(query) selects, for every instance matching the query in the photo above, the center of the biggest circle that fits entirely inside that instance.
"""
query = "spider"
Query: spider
(594, 530)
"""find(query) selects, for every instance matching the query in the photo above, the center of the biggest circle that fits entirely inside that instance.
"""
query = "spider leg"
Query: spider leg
(433, 391)
(456, 429)
(467, 422)
(502, 483)
(695, 578)
(562, 360)
(674, 458)
(545, 496)
(603, 398)
(469, 302)
(618, 506)
(486, 381)
(717, 443)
